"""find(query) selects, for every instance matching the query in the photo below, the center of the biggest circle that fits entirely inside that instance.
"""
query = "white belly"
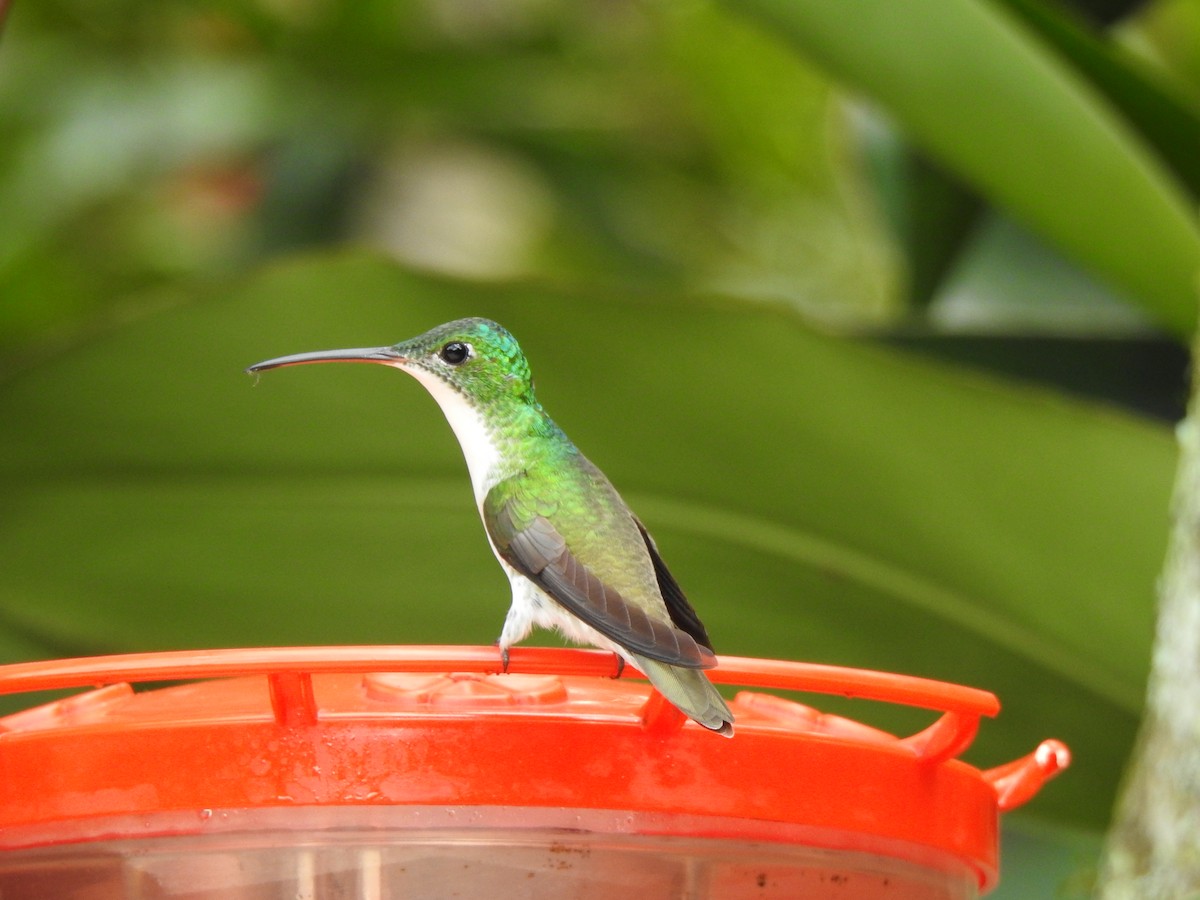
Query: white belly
(532, 606)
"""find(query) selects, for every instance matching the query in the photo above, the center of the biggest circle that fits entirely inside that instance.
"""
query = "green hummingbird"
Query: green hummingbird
(576, 556)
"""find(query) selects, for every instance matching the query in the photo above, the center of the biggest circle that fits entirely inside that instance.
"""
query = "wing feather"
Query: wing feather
(538, 551)
(680, 610)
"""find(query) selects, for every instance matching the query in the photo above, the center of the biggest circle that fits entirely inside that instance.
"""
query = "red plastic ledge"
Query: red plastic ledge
(289, 672)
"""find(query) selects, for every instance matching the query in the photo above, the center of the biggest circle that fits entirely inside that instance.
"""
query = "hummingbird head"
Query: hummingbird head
(476, 358)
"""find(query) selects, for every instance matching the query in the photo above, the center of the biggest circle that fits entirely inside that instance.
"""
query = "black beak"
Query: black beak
(363, 354)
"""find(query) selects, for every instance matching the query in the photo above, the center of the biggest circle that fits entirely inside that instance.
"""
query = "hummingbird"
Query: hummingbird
(577, 558)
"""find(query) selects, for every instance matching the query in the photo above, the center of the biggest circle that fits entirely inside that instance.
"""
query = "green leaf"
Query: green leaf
(1163, 117)
(989, 98)
(819, 498)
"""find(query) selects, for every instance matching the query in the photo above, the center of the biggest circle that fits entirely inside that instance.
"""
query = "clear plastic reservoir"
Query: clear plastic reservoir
(511, 863)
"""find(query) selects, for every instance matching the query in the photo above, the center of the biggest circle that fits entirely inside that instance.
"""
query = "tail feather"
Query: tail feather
(691, 691)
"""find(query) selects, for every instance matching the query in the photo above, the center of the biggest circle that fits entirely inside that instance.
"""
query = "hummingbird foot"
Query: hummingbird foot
(620, 665)
(503, 658)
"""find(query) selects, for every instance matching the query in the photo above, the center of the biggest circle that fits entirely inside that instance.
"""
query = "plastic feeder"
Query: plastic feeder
(422, 772)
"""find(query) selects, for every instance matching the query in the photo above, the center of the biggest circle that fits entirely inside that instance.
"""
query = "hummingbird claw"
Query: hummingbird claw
(504, 660)
(620, 665)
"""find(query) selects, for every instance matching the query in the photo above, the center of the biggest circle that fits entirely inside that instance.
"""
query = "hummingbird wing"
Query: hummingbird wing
(530, 543)
(681, 611)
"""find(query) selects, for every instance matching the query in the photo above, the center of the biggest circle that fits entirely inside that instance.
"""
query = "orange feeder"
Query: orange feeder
(397, 772)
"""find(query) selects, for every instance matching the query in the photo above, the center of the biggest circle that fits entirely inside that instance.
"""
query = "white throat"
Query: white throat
(477, 445)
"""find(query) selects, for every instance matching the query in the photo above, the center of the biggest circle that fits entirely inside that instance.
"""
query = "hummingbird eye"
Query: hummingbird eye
(455, 353)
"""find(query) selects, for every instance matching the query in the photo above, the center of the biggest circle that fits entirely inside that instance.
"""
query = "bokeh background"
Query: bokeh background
(876, 312)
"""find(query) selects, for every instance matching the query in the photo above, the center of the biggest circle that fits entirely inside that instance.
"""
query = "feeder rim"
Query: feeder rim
(177, 665)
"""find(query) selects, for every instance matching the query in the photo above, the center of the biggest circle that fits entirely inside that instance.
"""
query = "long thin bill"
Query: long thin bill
(362, 354)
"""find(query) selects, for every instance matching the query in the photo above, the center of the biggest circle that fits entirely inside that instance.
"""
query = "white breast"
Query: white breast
(477, 446)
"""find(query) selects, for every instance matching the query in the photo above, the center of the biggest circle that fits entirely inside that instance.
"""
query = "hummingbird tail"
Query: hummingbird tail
(691, 691)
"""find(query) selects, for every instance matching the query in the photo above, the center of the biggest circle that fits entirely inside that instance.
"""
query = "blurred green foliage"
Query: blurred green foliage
(579, 142)
(691, 214)
(673, 145)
